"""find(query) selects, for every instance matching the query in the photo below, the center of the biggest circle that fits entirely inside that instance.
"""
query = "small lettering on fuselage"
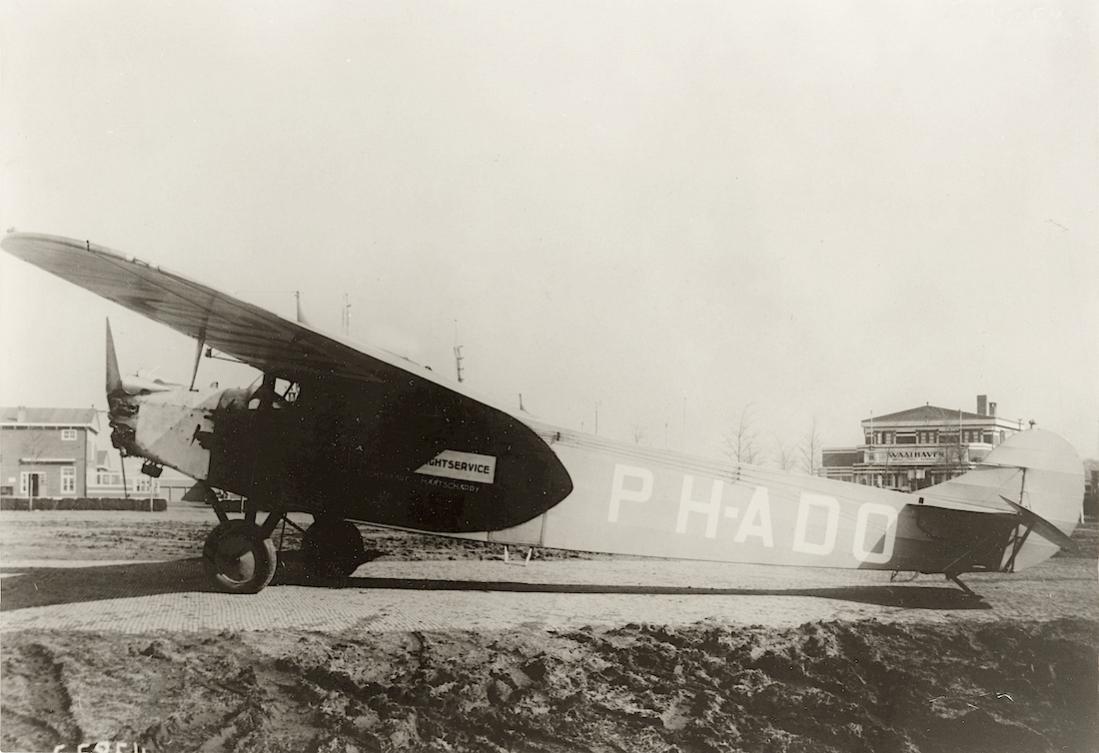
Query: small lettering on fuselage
(816, 522)
(465, 466)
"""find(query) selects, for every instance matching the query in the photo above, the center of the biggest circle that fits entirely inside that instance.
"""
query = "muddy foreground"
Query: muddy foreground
(1020, 674)
(846, 687)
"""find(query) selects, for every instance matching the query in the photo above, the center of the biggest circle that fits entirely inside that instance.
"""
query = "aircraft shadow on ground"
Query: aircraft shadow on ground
(909, 597)
(23, 588)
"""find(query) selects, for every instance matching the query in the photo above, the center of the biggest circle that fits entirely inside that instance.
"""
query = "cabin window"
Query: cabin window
(68, 435)
(286, 392)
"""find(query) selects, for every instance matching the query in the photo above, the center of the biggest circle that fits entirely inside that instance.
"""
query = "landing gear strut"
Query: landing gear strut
(239, 556)
(333, 548)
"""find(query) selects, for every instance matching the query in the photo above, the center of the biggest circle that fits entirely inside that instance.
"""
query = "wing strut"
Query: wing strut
(201, 343)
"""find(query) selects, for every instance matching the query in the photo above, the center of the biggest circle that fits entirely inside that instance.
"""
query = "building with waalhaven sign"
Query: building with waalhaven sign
(919, 447)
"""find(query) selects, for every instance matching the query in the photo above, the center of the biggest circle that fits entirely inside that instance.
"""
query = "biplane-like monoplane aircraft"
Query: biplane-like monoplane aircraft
(349, 433)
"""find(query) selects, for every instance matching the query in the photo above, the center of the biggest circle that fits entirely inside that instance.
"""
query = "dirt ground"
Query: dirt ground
(104, 535)
(108, 633)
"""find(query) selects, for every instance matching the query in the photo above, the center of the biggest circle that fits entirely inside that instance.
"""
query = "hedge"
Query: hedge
(84, 503)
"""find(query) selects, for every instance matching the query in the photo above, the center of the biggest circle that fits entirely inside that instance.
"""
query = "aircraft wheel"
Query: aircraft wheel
(238, 558)
(333, 548)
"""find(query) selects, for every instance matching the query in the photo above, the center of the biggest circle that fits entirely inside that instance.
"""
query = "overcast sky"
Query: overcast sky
(822, 209)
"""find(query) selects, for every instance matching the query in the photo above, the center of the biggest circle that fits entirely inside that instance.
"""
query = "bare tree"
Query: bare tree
(785, 455)
(809, 449)
(741, 442)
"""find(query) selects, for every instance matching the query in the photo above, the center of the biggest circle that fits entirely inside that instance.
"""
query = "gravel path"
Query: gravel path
(476, 595)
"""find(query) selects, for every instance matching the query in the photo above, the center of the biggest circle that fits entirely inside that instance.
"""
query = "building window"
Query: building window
(68, 480)
(68, 435)
(107, 478)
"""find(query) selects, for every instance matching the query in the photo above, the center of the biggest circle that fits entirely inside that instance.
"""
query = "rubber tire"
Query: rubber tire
(333, 548)
(238, 558)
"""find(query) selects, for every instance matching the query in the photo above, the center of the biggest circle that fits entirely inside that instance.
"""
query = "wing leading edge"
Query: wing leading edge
(247, 332)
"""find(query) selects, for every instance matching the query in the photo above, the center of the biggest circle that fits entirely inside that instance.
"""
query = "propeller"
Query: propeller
(114, 377)
(115, 390)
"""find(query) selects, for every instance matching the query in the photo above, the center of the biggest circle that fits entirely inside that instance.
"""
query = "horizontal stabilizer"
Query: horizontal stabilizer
(1041, 526)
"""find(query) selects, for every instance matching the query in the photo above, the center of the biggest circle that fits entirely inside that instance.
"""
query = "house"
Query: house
(46, 452)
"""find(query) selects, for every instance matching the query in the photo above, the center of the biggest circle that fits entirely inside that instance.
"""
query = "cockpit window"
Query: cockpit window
(285, 393)
(288, 390)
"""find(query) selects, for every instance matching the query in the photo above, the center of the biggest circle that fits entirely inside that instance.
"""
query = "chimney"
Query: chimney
(21, 414)
(992, 410)
(982, 405)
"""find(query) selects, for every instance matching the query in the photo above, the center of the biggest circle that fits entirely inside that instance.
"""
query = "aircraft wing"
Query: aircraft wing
(247, 332)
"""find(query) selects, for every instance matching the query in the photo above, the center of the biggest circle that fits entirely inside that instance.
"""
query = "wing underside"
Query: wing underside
(247, 332)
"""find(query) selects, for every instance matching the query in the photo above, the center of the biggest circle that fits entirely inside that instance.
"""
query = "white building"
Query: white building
(919, 447)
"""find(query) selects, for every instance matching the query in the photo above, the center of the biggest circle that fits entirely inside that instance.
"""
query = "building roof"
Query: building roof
(54, 416)
(928, 413)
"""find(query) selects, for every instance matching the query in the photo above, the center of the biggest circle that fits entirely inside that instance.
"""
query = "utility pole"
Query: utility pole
(458, 357)
(345, 318)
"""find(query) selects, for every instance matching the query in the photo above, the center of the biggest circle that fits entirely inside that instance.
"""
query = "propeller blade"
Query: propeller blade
(114, 378)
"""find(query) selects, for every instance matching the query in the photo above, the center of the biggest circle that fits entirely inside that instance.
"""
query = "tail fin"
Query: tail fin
(1034, 474)
(114, 377)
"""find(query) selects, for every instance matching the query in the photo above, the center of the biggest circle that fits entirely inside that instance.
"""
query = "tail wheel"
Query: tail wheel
(333, 548)
(239, 558)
